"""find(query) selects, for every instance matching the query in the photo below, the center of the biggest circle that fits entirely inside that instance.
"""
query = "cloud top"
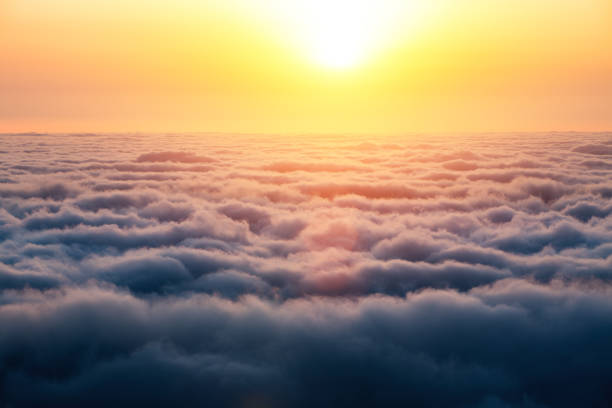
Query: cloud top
(245, 271)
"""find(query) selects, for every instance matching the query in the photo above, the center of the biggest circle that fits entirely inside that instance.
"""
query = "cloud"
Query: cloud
(460, 165)
(248, 349)
(238, 272)
(257, 219)
(332, 190)
(595, 149)
(179, 157)
(408, 246)
(12, 278)
(500, 215)
(585, 211)
(288, 167)
(57, 192)
(164, 211)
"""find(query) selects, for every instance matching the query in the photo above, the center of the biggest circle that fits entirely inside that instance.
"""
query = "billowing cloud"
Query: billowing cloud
(180, 157)
(238, 272)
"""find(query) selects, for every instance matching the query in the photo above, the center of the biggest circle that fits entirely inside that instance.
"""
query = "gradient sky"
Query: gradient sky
(267, 65)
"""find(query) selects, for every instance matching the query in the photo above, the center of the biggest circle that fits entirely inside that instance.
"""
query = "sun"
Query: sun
(338, 47)
(338, 33)
(341, 34)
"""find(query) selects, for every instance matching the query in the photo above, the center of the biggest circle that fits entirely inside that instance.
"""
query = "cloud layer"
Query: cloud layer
(464, 271)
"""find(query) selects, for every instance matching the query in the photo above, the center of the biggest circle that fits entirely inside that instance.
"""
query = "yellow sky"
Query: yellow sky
(271, 66)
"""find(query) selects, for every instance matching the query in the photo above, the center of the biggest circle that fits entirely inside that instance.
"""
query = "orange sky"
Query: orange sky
(256, 65)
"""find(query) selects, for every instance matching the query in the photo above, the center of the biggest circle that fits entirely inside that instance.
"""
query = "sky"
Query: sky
(270, 66)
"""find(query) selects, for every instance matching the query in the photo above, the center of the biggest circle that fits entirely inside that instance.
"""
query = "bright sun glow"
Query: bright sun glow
(340, 34)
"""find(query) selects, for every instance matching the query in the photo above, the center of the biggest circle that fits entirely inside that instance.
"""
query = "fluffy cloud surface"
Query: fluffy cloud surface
(239, 271)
